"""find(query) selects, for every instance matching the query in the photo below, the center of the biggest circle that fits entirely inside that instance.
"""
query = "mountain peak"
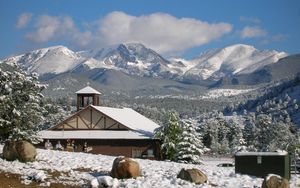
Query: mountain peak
(240, 46)
(137, 59)
(230, 60)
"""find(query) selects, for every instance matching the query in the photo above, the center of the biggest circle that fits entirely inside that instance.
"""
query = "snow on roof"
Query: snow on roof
(129, 118)
(92, 134)
(88, 90)
(261, 153)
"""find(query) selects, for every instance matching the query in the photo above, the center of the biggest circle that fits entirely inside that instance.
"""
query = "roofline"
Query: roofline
(112, 118)
(68, 118)
(96, 92)
(90, 106)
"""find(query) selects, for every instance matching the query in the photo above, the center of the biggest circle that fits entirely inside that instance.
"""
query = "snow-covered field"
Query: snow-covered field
(81, 168)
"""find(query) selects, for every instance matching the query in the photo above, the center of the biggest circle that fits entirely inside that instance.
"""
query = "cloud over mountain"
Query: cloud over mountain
(251, 32)
(160, 31)
(23, 20)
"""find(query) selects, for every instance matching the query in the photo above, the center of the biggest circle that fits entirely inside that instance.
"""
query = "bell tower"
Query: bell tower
(87, 96)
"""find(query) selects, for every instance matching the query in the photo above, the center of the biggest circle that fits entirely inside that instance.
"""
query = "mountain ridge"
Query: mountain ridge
(136, 59)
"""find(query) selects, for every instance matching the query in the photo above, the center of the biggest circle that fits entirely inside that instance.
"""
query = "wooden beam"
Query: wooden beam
(84, 122)
(112, 125)
(98, 121)
(77, 122)
(69, 125)
(91, 123)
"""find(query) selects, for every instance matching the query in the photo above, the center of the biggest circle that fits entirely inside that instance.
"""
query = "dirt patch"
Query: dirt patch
(8, 180)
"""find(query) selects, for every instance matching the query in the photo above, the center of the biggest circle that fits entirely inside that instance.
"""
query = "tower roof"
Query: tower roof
(88, 90)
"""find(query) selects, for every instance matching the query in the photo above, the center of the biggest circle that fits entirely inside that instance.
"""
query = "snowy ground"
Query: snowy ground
(81, 168)
(216, 93)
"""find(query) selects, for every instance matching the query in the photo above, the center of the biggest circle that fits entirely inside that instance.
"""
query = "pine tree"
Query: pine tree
(281, 136)
(54, 113)
(250, 131)
(190, 146)
(235, 137)
(264, 132)
(20, 111)
(209, 130)
(169, 135)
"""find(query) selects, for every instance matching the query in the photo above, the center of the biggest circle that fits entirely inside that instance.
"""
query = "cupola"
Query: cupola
(87, 96)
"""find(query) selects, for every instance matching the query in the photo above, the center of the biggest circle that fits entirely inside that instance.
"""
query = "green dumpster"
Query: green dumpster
(260, 164)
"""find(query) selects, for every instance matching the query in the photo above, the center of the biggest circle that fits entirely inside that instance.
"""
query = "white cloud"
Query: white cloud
(274, 38)
(162, 32)
(23, 20)
(49, 28)
(252, 32)
(254, 20)
(159, 31)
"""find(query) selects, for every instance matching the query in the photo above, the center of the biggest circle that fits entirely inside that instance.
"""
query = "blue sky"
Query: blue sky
(172, 28)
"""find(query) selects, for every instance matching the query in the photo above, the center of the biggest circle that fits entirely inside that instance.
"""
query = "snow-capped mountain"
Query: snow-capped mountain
(231, 60)
(130, 58)
(56, 59)
(136, 59)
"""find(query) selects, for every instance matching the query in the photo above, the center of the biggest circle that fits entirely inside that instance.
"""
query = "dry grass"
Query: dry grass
(8, 180)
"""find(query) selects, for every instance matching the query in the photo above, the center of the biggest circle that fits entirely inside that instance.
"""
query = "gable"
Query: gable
(90, 119)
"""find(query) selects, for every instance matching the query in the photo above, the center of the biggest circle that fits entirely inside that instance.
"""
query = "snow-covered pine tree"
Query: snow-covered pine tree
(209, 129)
(190, 146)
(281, 136)
(20, 111)
(250, 131)
(264, 132)
(54, 112)
(223, 136)
(272, 135)
(169, 135)
(235, 136)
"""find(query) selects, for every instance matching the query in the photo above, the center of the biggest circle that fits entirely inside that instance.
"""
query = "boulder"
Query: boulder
(26, 151)
(124, 167)
(192, 175)
(275, 181)
(21, 150)
(9, 151)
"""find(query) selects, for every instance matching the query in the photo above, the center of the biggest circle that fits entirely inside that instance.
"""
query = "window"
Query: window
(150, 153)
(87, 101)
(137, 153)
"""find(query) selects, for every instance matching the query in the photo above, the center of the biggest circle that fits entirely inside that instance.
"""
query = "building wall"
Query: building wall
(117, 147)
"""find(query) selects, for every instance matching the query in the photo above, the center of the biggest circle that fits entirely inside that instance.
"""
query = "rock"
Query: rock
(26, 151)
(9, 151)
(124, 167)
(21, 150)
(275, 181)
(192, 175)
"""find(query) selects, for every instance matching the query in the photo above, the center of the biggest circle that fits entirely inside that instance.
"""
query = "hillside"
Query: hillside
(280, 100)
